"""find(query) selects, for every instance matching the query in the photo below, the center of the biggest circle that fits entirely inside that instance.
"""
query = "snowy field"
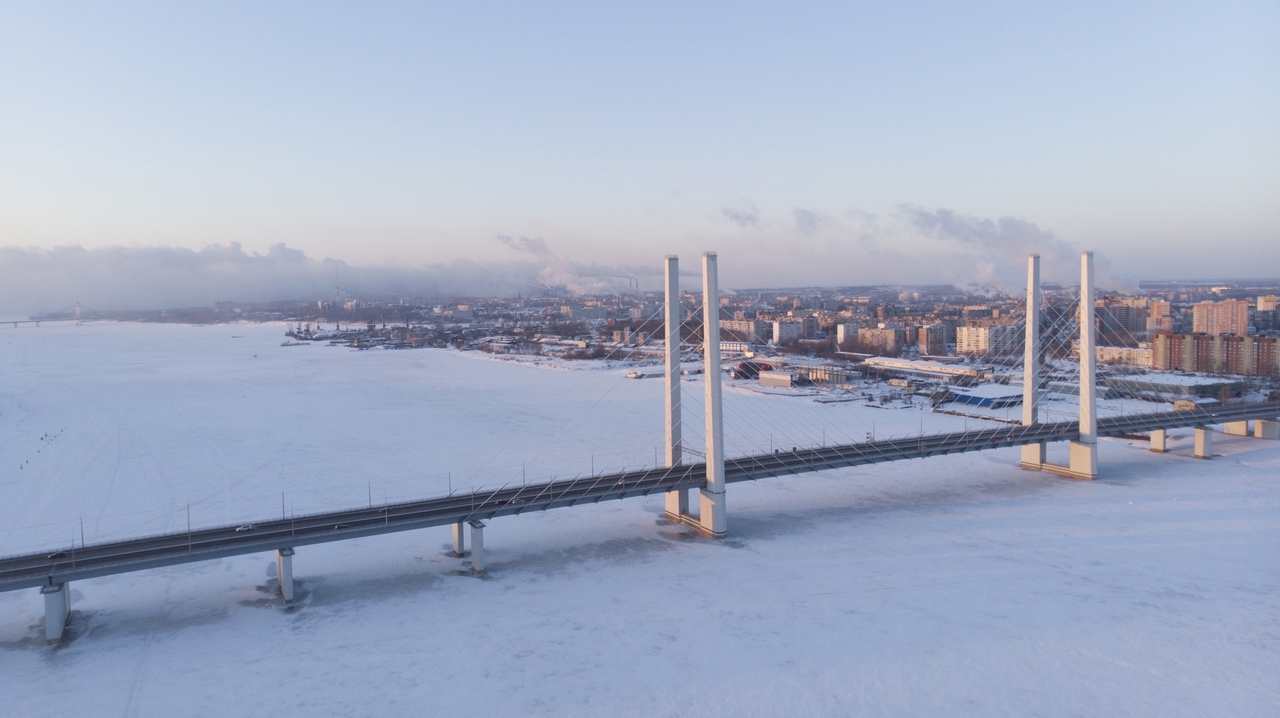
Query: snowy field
(949, 586)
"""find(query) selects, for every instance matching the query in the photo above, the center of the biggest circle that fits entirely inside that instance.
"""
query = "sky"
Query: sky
(576, 143)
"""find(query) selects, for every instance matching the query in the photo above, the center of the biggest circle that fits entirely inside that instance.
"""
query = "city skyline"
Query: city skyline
(820, 145)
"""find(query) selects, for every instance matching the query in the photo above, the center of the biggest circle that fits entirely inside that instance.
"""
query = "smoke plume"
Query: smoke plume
(998, 249)
(34, 281)
(529, 245)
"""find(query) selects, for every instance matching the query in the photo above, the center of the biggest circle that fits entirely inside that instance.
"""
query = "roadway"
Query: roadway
(59, 565)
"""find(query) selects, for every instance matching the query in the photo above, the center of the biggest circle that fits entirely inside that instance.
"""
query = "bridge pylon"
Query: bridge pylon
(1083, 457)
(678, 500)
(1033, 455)
(712, 512)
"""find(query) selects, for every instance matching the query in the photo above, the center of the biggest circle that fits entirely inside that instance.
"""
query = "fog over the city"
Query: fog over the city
(34, 281)
(808, 248)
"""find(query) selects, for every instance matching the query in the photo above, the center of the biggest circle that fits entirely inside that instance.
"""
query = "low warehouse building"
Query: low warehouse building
(989, 396)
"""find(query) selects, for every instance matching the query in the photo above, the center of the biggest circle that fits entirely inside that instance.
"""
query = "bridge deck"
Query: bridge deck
(103, 559)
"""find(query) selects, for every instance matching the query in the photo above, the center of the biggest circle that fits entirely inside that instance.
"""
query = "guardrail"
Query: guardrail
(59, 565)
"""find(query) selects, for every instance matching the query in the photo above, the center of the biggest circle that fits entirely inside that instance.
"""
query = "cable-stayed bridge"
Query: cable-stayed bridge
(96, 560)
(52, 570)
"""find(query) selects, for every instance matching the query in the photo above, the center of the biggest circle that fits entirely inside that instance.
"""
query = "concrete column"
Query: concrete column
(477, 547)
(1204, 443)
(1266, 429)
(712, 514)
(57, 610)
(459, 540)
(284, 573)
(1084, 453)
(1033, 455)
(1159, 441)
(677, 501)
(1236, 428)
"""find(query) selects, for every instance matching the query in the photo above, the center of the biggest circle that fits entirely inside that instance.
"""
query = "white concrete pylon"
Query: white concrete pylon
(459, 540)
(57, 610)
(1236, 428)
(1204, 443)
(1159, 440)
(712, 511)
(1033, 455)
(284, 573)
(1266, 429)
(477, 547)
(678, 500)
(1084, 452)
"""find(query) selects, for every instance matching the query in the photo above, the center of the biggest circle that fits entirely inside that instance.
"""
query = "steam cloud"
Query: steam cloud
(912, 244)
(808, 221)
(999, 249)
(746, 216)
(560, 272)
(821, 250)
(530, 245)
(36, 280)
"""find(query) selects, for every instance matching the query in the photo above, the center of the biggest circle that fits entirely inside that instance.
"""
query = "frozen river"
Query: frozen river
(950, 585)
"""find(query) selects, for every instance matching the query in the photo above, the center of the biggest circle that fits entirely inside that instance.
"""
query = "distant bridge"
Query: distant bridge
(38, 322)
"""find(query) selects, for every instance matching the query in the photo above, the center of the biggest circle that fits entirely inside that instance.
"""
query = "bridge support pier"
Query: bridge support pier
(284, 573)
(57, 610)
(1159, 440)
(1266, 429)
(678, 504)
(477, 547)
(1204, 443)
(459, 540)
(1033, 456)
(1236, 428)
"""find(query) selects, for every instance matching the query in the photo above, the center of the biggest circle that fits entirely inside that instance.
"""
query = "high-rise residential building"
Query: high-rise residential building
(885, 339)
(1250, 356)
(978, 341)
(933, 339)
(1160, 316)
(1123, 315)
(750, 330)
(1267, 318)
(846, 331)
(787, 331)
(1230, 316)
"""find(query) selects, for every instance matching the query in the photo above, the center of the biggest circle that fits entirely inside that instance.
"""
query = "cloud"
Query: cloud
(1007, 234)
(747, 216)
(912, 245)
(117, 277)
(809, 221)
(998, 249)
(530, 245)
(35, 280)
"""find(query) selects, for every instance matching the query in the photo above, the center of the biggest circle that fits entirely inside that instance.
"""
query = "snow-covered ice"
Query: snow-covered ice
(953, 585)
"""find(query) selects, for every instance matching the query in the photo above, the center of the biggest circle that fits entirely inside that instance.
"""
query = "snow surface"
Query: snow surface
(953, 585)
